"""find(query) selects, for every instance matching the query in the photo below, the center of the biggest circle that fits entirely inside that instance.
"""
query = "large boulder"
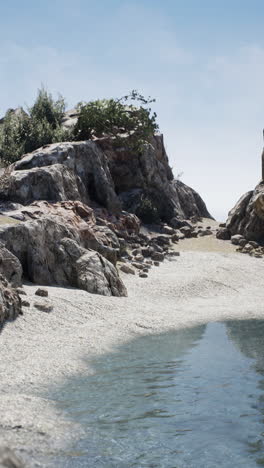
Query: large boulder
(81, 172)
(51, 252)
(247, 216)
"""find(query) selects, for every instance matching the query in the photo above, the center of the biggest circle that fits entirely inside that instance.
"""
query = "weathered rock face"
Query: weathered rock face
(10, 303)
(247, 217)
(10, 267)
(148, 173)
(51, 252)
(98, 172)
(81, 172)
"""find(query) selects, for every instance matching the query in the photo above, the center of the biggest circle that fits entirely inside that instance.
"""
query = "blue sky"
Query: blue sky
(202, 60)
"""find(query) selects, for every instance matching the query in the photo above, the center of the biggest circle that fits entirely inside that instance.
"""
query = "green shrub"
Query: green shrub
(23, 132)
(117, 118)
(147, 211)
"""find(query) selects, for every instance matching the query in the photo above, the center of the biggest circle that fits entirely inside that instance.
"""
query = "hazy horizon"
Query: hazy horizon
(202, 62)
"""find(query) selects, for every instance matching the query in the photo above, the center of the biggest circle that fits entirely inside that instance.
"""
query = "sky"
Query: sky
(203, 61)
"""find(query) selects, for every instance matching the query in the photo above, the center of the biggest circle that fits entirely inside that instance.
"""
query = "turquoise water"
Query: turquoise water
(188, 399)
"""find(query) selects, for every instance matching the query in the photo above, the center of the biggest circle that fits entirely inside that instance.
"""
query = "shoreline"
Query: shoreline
(41, 350)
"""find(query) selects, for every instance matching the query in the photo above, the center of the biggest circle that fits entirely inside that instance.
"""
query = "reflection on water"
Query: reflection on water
(187, 399)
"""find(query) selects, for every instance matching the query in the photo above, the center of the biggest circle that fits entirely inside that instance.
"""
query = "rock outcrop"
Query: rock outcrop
(247, 216)
(68, 212)
(51, 252)
(98, 172)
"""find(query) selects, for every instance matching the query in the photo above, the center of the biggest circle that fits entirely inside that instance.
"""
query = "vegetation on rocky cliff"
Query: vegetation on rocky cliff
(22, 132)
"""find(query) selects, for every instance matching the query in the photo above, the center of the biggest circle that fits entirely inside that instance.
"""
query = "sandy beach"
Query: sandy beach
(208, 282)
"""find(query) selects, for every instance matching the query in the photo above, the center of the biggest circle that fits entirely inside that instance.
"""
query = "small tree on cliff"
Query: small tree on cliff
(127, 124)
(117, 118)
(22, 132)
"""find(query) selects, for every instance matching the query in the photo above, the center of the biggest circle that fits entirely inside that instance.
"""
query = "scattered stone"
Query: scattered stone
(205, 232)
(187, 231)
(139, 266)
(168, 230)
(143, 275)
(236, 238)
(222, 225)
(156, 263)
(162, 240)
(173, 253)
(145, 270)
(147, 251)
(21, 291)
(223, 234)
(175, 238)
(242, 242)
(254, 244)
(43, 306)
(158, 256)
(178, 223)
(25, 303)
(127, 269)
(149, 262)
(156, 248)
(136, 252)
(42, 292)
(139, 258)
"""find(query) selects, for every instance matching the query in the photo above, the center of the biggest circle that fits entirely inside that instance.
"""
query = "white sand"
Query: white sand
(39, 349)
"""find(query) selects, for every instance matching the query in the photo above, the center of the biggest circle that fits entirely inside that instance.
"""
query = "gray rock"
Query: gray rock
(127, 269)
(168, 230)
(156, 263)
(204, 232)
(254, 244)
(10, 267)
(139, 266)
(173, 253)
(175, 238)
(187, 231)
(236, 238)
(62, 171)
(21, 291)
(50, 253)
(223, 234)
(242, 242)
(247, 216)
(42, 292)
(10, 302)
(143, 275)
(45, 306)
(25, 303)
(158, 257)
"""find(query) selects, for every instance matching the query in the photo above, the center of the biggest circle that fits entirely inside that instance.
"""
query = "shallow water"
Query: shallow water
(188, 399)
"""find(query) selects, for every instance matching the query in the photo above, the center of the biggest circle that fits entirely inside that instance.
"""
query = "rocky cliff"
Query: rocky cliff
(247, 216)
(69, 211)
